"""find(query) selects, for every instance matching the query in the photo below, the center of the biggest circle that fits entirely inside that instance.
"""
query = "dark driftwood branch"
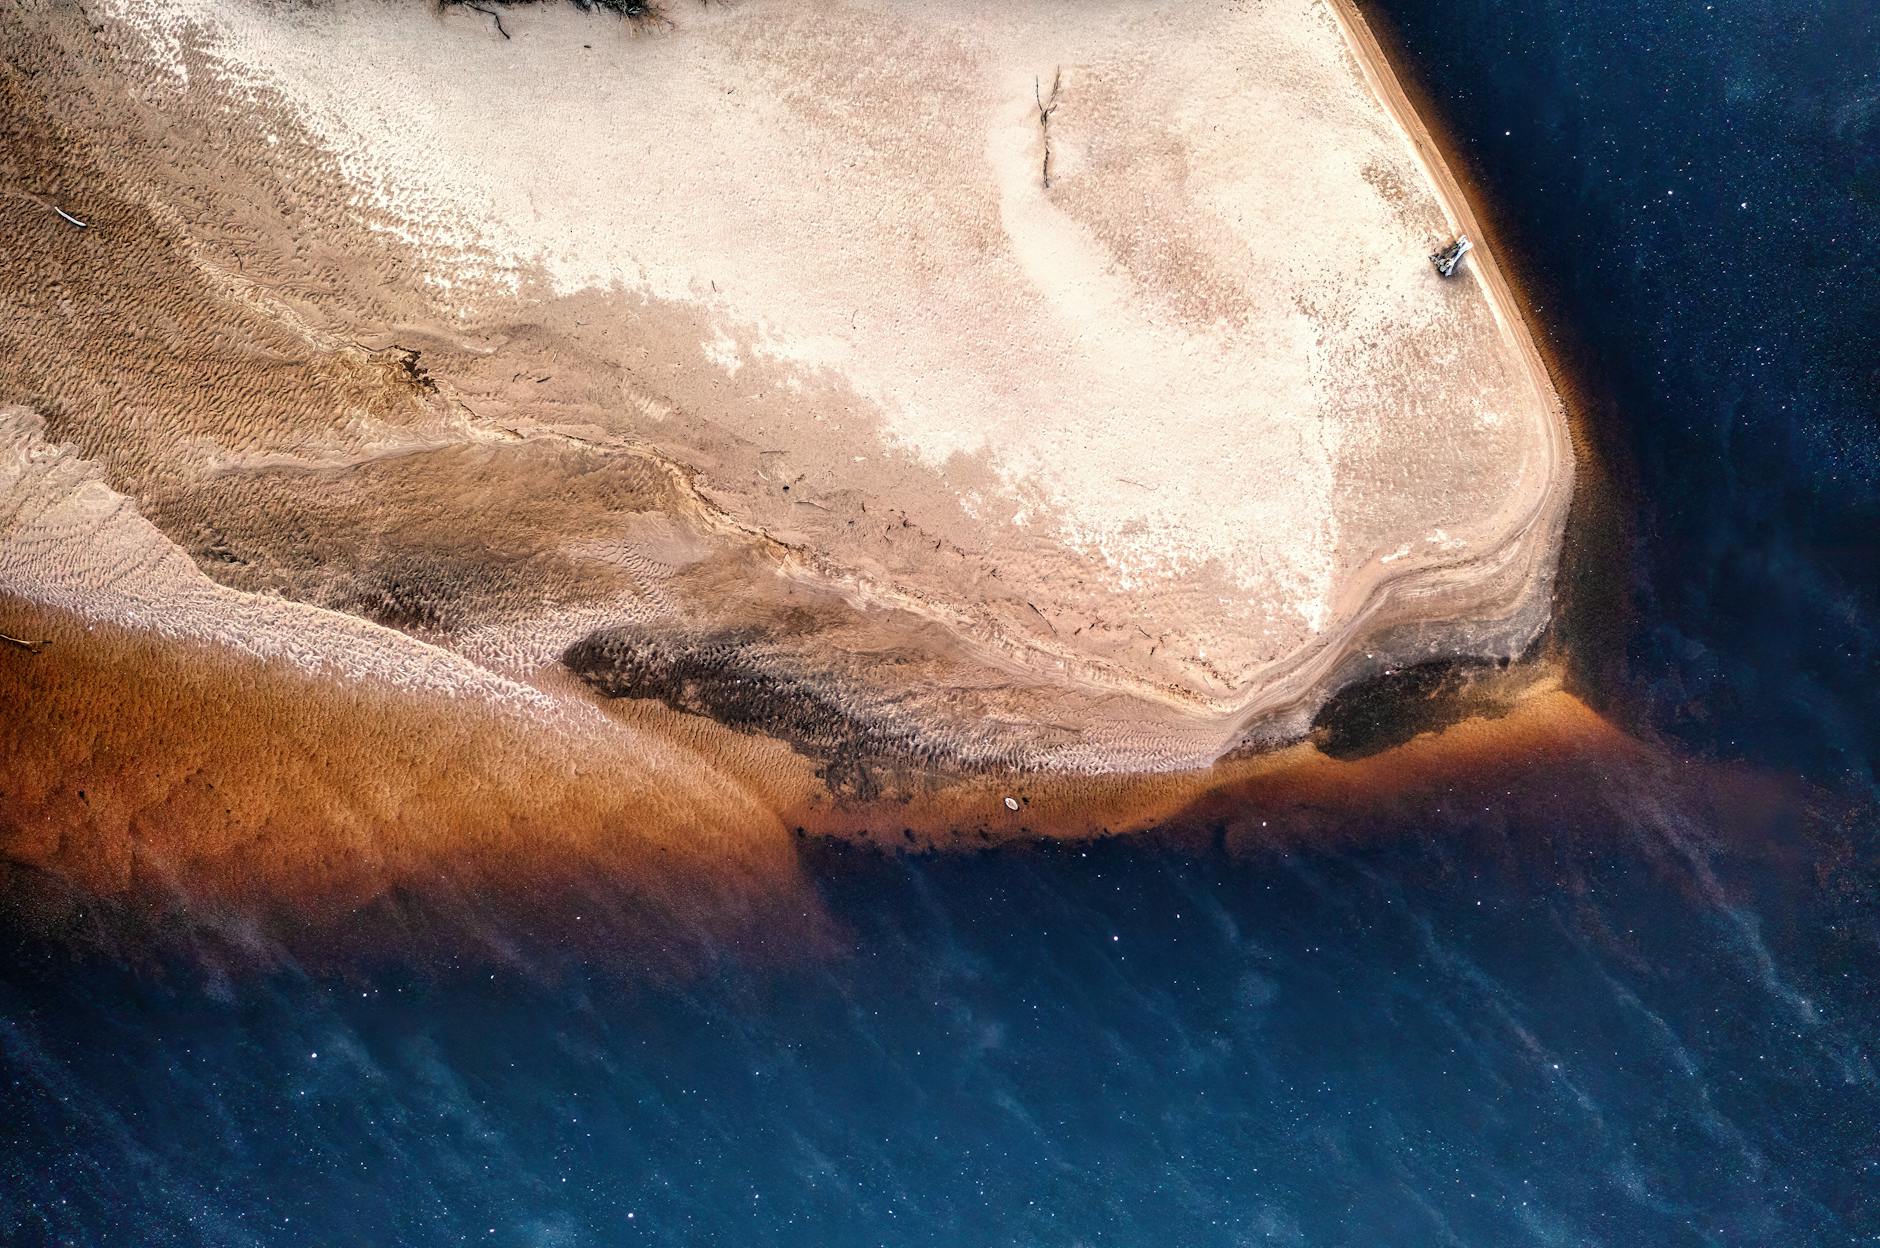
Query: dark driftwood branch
(1045, 108)
(492, 14)
(638, 12)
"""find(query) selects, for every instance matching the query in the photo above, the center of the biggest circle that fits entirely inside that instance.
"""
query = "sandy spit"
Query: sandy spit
(360, 407)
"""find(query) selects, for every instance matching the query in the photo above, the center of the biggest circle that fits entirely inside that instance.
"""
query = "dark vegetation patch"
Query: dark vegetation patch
(1388, 710)
(724, 676)
(410, 372)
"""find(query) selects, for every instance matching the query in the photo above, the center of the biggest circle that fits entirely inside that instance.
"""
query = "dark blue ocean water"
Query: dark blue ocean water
(1500, 1035)
(1633, 1024)
(1692, 190)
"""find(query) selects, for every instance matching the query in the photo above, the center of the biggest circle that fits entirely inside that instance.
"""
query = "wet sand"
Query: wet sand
(443, 427)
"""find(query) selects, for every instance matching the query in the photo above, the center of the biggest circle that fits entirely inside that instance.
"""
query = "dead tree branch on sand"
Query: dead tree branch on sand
(1045, 108)
(492, 14)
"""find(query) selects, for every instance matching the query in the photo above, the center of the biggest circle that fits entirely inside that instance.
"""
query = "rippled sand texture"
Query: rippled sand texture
(919, 390)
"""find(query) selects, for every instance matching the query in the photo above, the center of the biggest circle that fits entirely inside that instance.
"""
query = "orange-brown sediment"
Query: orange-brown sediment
(168, 775)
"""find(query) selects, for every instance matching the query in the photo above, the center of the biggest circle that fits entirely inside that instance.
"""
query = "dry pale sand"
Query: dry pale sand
(914, 395)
